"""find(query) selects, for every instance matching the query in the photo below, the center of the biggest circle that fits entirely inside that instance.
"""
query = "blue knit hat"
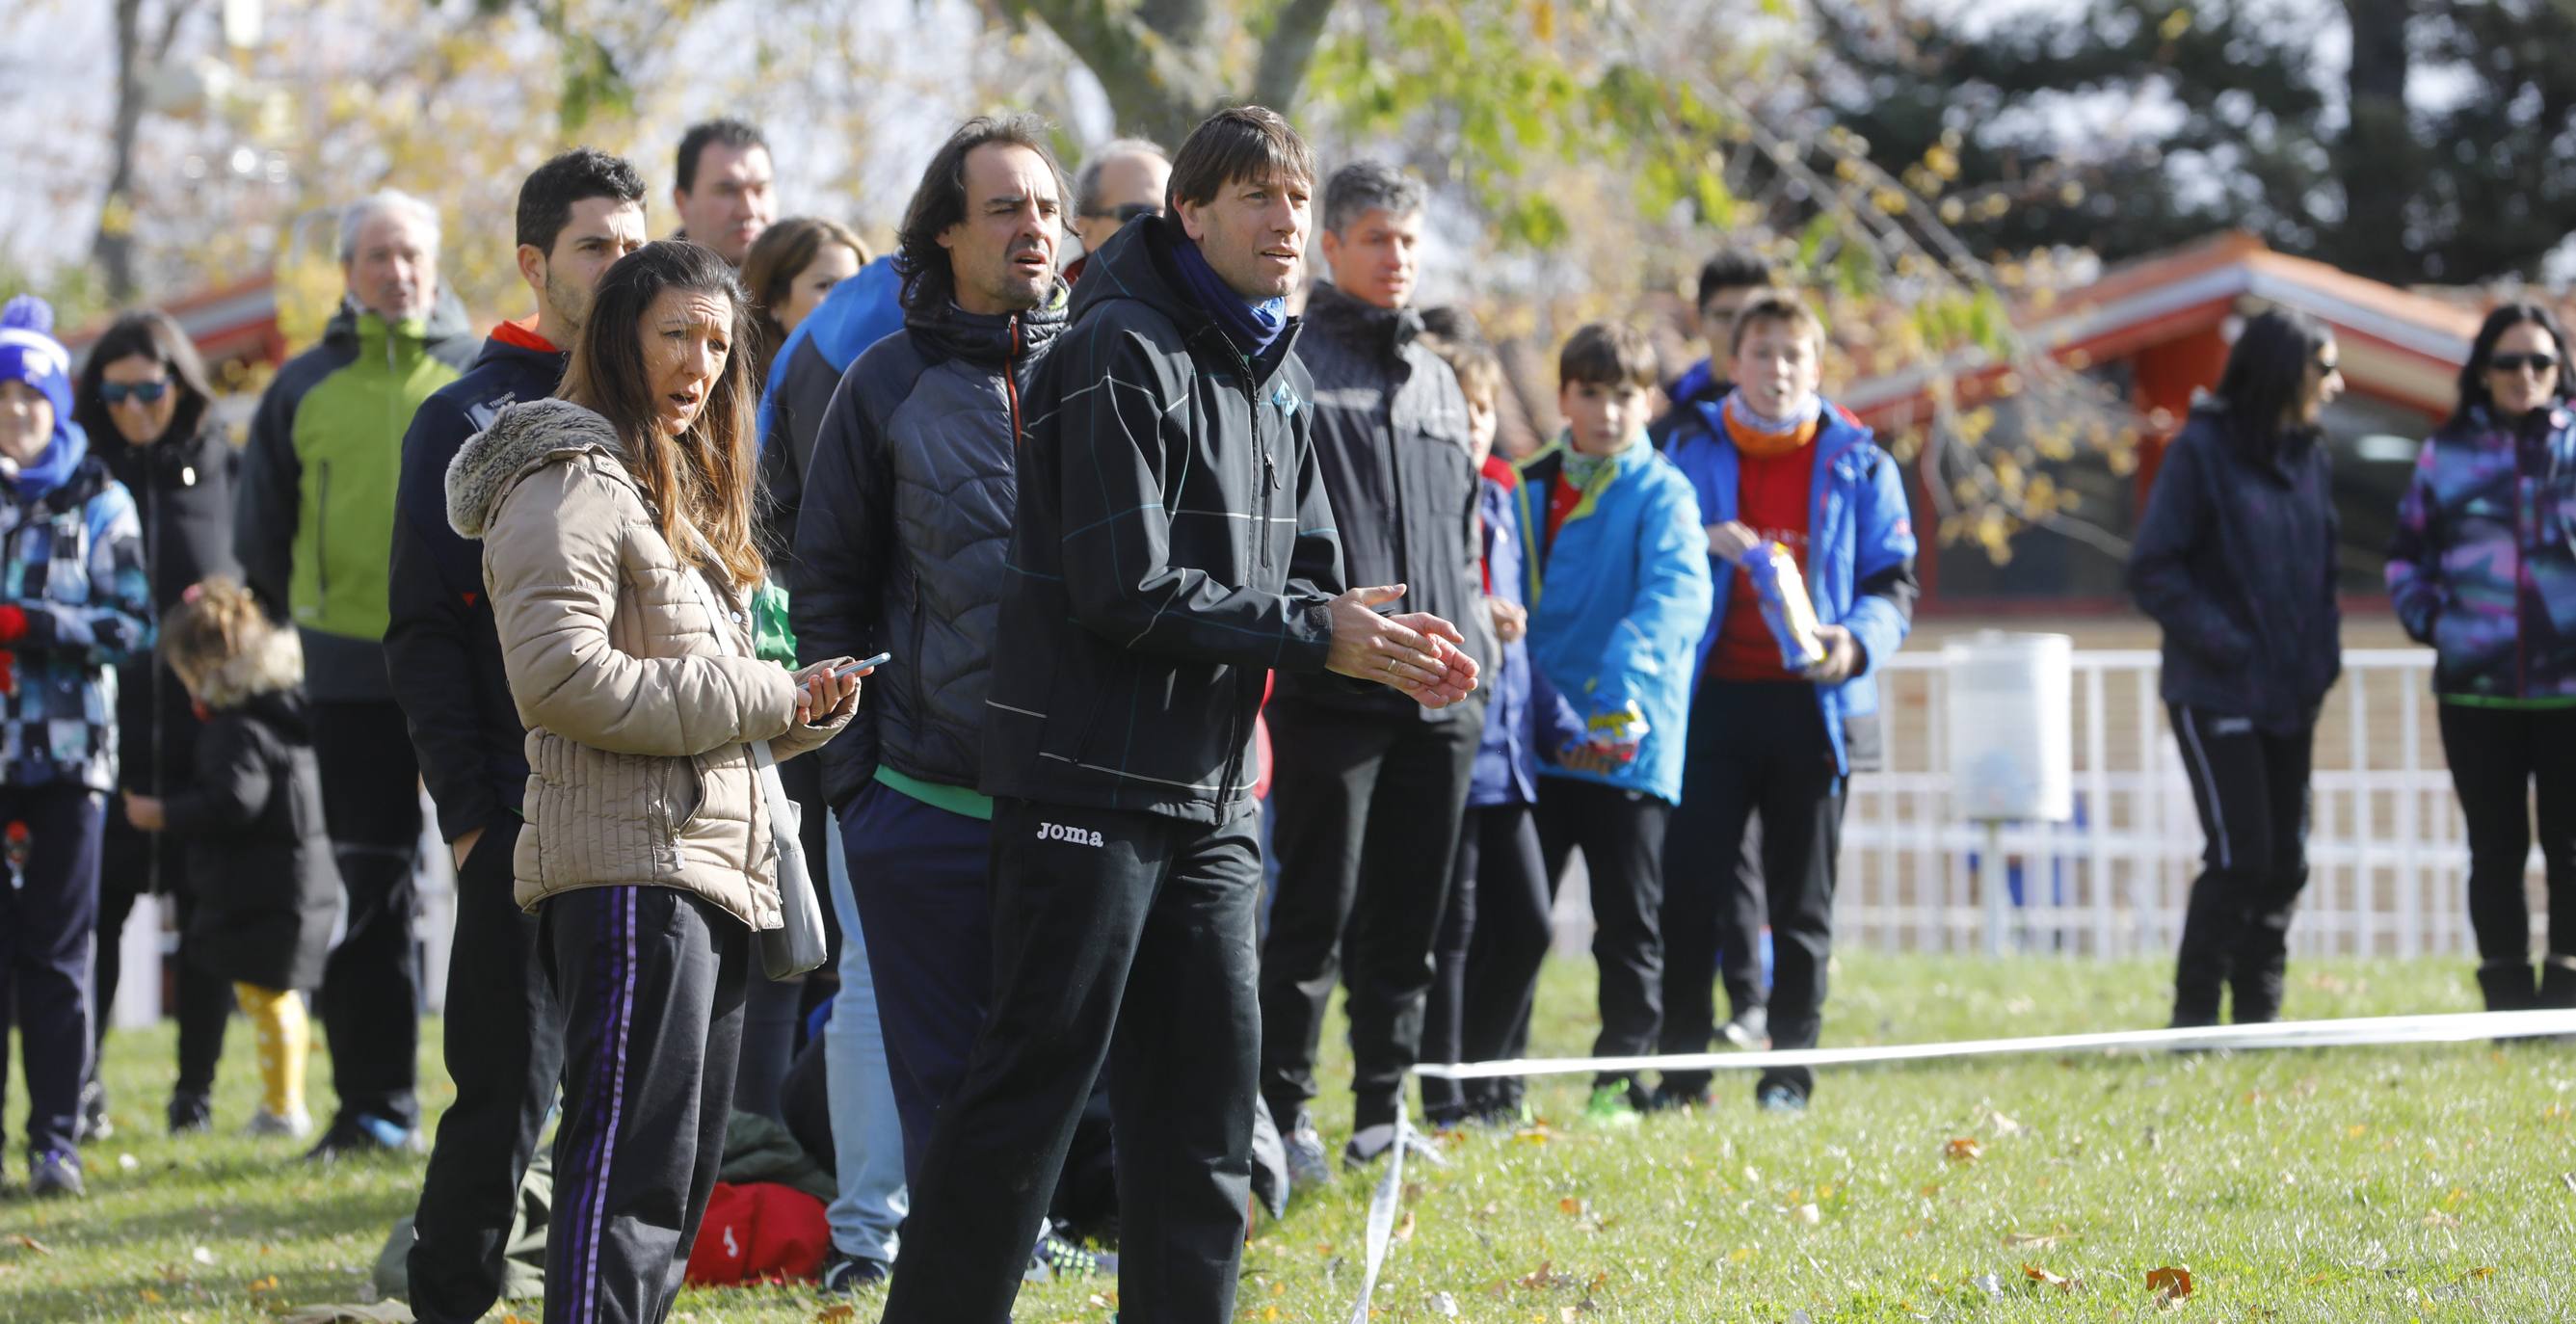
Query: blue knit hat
(29, 353)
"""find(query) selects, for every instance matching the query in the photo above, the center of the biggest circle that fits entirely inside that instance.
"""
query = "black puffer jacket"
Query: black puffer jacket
(2235, 558)
(1173, 545)
(259, 853)
(906, 522)
(183, 489)
(1391, 437)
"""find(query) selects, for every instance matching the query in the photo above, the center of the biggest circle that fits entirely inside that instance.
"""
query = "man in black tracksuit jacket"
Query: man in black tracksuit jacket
(578, 214)
(1370, 785)
(1172, 544)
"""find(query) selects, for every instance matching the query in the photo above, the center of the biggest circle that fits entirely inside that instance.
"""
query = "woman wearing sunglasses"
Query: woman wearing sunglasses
(2483, 569)
(2235, 558)
(143, 400)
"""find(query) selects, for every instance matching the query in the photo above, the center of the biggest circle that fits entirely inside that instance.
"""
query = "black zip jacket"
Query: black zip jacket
(906, 524)
(442, 651)
(1173, 544)
(183, 491)
(2235, 558)
(1390, 435)
(259, 853)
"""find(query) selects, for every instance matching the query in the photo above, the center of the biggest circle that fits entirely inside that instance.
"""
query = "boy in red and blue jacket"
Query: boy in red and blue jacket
(1774, 463)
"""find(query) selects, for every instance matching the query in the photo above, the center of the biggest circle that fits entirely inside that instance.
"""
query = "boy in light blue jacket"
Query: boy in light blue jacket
(1618, 593)
(1774, 464)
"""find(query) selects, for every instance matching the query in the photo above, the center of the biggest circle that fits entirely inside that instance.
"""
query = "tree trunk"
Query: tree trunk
(2378, 157)
(113, 248)
(1159, 59)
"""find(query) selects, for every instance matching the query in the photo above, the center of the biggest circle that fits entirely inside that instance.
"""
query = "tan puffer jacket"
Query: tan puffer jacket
(638, 703)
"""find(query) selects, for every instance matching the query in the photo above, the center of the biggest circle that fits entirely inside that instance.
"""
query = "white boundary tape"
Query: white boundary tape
(2358, 1032)
(2455, 1027)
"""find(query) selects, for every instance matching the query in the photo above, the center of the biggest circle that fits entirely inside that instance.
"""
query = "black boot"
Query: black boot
(2507, 985)
(2260, 974)
(2557, 982)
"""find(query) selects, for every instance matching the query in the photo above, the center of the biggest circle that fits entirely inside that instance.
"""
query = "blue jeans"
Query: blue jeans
(867, 1133)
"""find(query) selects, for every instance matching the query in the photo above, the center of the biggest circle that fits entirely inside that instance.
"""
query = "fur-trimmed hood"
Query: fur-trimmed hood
(523, 438)
(275, 665)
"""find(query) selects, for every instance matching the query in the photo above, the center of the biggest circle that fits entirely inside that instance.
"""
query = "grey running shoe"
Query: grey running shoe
(1307, 1166)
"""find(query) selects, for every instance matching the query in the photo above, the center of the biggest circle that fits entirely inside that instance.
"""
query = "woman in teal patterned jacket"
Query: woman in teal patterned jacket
(2483, 568)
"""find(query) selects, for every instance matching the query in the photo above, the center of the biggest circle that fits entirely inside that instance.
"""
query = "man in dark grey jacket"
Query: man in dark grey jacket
(1370, 785)
(1172, 545)
(900, 549)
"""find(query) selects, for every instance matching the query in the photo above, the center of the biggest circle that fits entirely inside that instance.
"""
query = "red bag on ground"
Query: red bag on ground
(758, 1231)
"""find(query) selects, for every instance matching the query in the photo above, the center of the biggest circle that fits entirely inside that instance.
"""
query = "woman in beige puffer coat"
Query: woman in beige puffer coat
(616, 529)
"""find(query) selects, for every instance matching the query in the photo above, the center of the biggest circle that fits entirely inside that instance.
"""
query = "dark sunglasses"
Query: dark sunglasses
(2327, 365)
(2541, 365)
(1127, 213)
(117, 393)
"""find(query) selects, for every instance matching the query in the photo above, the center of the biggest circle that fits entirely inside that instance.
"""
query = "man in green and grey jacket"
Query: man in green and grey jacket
(314, 534)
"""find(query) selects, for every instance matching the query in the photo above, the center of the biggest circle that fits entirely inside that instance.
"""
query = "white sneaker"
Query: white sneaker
(295, 1125)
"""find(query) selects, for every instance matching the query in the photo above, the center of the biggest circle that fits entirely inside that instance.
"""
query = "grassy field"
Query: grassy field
(2328, 1185)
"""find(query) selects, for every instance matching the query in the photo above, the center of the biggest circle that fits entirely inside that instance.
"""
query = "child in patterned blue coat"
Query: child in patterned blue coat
(73, 605)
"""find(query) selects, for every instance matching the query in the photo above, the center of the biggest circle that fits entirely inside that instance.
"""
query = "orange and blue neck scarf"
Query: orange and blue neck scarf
(1769, 438)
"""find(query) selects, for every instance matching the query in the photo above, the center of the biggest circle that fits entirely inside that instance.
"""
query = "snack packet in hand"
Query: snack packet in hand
(1610, 737)
(1785, 605)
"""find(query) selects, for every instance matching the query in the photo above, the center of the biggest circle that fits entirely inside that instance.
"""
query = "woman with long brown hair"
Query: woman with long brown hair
(617, 547)
(789, 269)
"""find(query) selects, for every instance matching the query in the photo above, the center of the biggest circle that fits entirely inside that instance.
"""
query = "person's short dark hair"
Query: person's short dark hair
(1086, 183)
(2267, 369)
(547, 196)
(736, 134)
(940, 202)
(1451, 334)
(1731, 269)
(156, 336)
(1364, 186)
(1235, 144)
(2473, 374)
(1774, 306)
(1607, 354)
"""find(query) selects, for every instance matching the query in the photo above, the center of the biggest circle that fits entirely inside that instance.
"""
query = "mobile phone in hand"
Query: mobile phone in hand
(879, 660)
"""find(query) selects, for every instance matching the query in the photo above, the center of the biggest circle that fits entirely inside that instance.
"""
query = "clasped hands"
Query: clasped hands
(1415, 653)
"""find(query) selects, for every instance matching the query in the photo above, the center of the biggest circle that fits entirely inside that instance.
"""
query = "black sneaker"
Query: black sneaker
(1670, 1097)
(1056, 1258)
(191, 1113)
(357, 1134)
(1778, 1098)
(55, 1174)
(846, 1275)
(1371, 1143)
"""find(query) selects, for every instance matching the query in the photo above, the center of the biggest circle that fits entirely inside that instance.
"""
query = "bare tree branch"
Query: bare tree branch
(170, 21)
(1289, 52)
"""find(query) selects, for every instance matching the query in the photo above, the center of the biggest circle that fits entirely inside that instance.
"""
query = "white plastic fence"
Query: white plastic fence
(2386, 847)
